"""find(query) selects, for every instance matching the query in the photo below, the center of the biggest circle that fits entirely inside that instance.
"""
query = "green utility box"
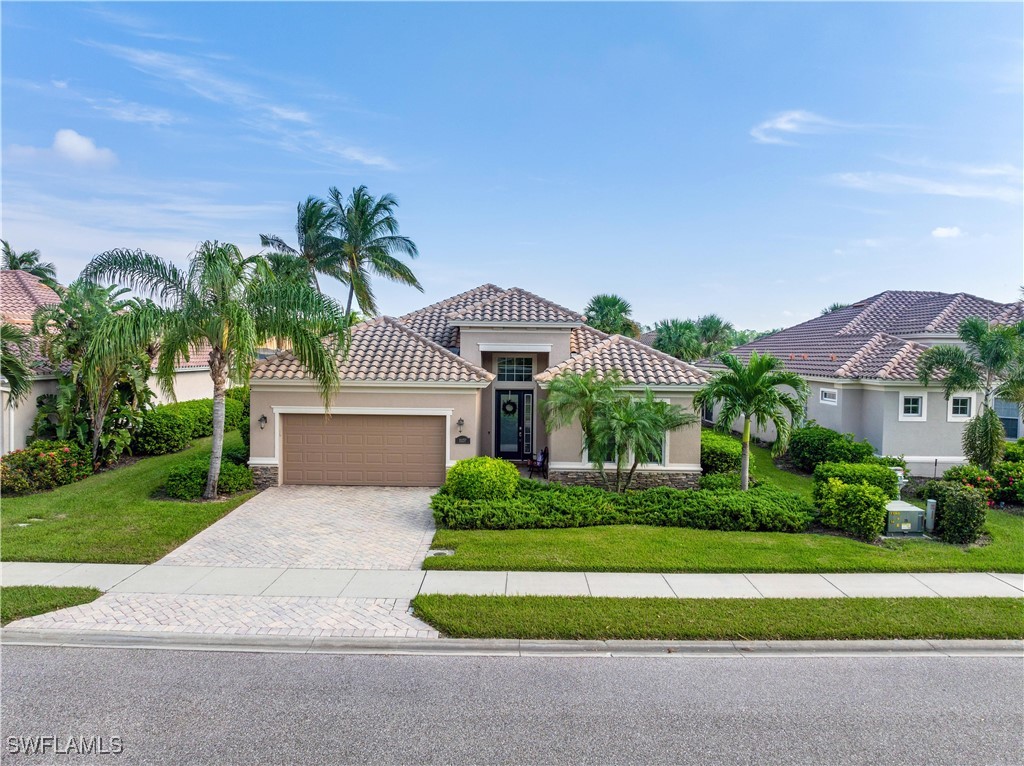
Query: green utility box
(904, 520)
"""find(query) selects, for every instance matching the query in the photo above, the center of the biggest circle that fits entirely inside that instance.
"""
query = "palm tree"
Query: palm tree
(834, 307)
(715, 335)
(27, 261)
(678, 338)
(368, 231)
(611, 314)
(318, 249)
(751, 391)
(14, 353)
(990, 362)
(231, 302)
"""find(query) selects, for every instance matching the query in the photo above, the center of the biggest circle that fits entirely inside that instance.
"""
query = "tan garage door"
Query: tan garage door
(364, 450)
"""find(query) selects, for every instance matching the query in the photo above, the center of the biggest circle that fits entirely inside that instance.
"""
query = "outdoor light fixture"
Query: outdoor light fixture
(262, 421)
(459, 424)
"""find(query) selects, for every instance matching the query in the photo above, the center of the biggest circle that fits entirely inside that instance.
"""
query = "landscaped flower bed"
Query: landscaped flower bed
(43, 465)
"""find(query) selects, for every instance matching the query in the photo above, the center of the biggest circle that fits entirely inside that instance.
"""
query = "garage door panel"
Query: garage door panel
(364, 450)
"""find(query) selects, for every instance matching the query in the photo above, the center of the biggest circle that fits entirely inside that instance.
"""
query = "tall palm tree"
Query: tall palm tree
(27, 261)
(14, 353)
(715, 335)
(611, 314)
(752, 392)
(231, 302)
(369, 236)
(318, 248)
(833, 307)
(991, 362)
(678, 338)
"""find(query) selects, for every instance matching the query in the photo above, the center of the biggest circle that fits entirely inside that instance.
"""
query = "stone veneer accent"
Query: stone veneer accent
(264, 476)
(641, 480)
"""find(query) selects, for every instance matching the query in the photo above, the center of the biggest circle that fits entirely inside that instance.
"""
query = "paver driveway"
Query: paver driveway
(318, 528)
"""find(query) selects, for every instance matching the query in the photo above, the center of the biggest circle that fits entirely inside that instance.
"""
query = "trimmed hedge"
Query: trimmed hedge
(856, 473)
(44, 465)
(187, 481)
(974, 477)
(719, 453)
(482, 478)
(855, 508)
(237, 455)
(959, 511)
(814, 444)
(1009, 477)
(556, 506)
(242, 394)
(163, 430)
(1014, 452)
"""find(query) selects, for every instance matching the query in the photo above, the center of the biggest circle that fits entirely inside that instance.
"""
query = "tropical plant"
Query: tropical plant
(368, 231)
(715, 335)
(28, 261)
(233, 303)
(752, 393)
(318, 251)
(14, 361)
(834, 307)
(991, 362)
(678, 338)
(611, 314)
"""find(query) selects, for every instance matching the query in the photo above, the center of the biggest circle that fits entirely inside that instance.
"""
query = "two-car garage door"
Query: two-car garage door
(364, 450)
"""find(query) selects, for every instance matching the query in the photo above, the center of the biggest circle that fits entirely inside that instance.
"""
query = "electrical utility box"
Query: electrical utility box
(904, 519)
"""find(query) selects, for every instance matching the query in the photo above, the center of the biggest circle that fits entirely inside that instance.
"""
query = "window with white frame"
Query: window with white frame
(913, 407)
(829, 396)
(657, 458)
(961, 408)
(517, 369)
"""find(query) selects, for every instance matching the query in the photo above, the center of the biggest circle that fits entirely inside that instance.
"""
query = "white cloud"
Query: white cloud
(895, 183)
(129, 111)
(777, 129)
(60, 84)
(947, 232)
(69, 146)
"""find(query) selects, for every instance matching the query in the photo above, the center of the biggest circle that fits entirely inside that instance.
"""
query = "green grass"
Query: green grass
(20, 601)
(763, 467)
(111, 517)
(563, 617)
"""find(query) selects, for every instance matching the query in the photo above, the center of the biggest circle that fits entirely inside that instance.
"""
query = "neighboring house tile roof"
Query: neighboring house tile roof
(638, 363)
(582, 338)
(432, 322)
(514, 306)
(648, 338)
(864, 340)
(199, 357)
(21, 294)
(384, 350)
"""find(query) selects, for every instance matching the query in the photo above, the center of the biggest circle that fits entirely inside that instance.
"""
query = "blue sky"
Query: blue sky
(756, 160)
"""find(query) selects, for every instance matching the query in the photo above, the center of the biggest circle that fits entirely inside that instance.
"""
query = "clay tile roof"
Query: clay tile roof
(648, 337)
(432, 323)
(639, 364)
(384, 350)
(582, 338)
(21, 294)
(515, 305)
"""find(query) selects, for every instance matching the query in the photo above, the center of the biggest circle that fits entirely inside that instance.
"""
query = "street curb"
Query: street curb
(512, 647)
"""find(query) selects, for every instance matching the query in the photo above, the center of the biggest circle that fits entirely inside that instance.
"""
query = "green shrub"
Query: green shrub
(242, 394)
(715, 482)
(188, 480)
(889, 460)
(237, 455)
(44, 465)
(959, 511)
(855, 508)
(1013, 452)
(199, 413)
(1009, 477)
(974, 477)
(556, 506)
(482, 478)
(164, 429)
(719, 453)
(856, 473)
(814, 444)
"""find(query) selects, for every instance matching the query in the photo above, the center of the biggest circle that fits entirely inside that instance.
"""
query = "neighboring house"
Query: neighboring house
(457, 379)
(21, 294)
(860, 363)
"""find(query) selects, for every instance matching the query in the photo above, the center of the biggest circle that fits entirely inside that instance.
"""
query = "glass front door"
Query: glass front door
(513, 432)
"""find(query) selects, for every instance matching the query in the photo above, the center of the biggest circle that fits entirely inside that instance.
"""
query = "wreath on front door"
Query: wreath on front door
(509, 408)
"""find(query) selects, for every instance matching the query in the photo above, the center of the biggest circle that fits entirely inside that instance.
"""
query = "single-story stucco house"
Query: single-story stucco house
(21, 294)
(860, 363)
(460, 378)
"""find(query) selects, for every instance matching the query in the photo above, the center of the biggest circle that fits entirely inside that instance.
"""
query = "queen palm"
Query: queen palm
(368, 231)
(231, 302)
(752, 393)
(990, 362)
(14, 354)
(318, 249)
(28, 261)
(611, 314)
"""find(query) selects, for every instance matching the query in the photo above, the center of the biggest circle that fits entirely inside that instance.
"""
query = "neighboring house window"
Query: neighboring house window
(829, 396)
(658, 458)
(961, 408)
(707, 413)
(1009, 414)
(516, 369)
(913, 407)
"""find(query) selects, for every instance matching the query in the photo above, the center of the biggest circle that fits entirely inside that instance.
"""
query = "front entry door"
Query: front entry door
(513, 432)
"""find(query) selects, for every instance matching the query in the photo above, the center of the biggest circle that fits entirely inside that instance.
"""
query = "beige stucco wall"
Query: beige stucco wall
(470, 340)
(188, 385)
(463, 403)
(15, 423)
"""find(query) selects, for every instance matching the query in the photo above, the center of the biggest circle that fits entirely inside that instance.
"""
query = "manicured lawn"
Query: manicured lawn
(763, 467)
(671, 549)
(110, 517)
(20, 601)
(561, 617)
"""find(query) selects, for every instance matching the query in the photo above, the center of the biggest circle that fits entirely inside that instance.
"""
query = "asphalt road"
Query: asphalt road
(184, 707)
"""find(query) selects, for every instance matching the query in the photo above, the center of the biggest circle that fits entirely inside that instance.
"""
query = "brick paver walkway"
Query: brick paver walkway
(238, 615)
(318, 528)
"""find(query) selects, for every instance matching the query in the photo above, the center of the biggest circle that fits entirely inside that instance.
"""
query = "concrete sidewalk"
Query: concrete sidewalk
(406, 584)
